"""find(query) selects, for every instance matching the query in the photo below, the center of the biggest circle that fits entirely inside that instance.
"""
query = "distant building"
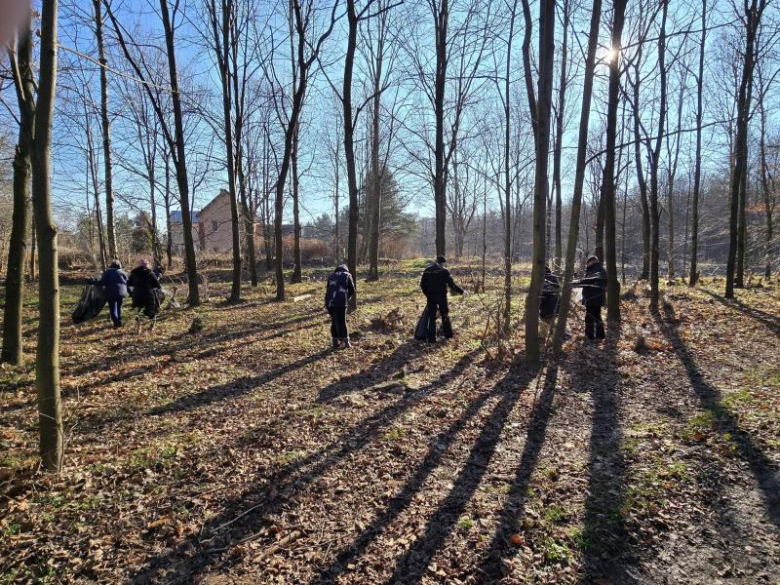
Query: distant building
(177, 231)
(212, 229)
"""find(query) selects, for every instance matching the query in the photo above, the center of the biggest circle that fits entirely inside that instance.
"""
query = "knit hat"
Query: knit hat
(592, 259)
(440, 260)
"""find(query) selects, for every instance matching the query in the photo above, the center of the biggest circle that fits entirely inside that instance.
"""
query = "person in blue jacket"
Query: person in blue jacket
(114, 283)
(341, 288)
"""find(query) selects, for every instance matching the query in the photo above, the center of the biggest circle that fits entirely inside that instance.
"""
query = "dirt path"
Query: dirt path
(249, 453)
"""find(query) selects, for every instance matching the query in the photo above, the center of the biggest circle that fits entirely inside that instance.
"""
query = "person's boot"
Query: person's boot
(335, 343)
(152, 324)
(347, 344)
(138, 325)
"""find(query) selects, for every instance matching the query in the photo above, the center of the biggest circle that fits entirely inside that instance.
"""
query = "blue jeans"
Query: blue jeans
(115, 310)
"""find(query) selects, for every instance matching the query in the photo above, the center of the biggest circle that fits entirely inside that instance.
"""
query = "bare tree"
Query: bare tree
(175, 138)
(608, 196)
(655, 158)
(579, 176)
(751, 20)
(768, 181)
(560, 112)
(308, 51)
(106, 128)
(693, 275)
(47, 359)
(541, 186)
(21, 60)
(223, 21)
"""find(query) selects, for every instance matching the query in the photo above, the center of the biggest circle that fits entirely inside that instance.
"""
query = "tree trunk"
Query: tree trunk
(440, 88)
(296, 275)
(640, 176)
(349, 145)
(655, 214)
(693, 275)
(609, 197)
(268, 234)
(671, 177)
(543, 107)
(508, 177)
(180, 160)
(376, 200)
(12, 352)
(167, 201)
(93, 174)
(742, 243)
(106, 127)
(33, 242)
(221, 22)
(579, 176)
(559, 135)
(738, 176)
(766, 191)
(47, 363)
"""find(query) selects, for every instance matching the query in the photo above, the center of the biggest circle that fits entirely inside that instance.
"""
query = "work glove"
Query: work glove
(465, 293)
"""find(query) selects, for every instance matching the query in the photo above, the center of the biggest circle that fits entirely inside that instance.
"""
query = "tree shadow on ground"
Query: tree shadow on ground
(764, 470)
(605, 536)
(511, 515)
(234, 388)
(382, 371)
(244, 516)
(770, 321)
(509, 388)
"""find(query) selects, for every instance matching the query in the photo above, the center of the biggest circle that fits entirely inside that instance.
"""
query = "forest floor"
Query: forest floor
(248, 452)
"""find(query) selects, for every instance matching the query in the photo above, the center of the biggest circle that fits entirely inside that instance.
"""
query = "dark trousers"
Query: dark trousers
(148, 303)
(438, 304)
(338, 322)
(115, 310)
(594, 325)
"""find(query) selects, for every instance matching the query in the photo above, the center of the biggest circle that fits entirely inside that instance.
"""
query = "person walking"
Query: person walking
(594, 289)
(435, 281)
(340, 288)
(143, 286)
(114, 284)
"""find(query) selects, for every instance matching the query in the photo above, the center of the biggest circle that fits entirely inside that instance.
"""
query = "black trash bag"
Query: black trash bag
(421, 332)
(90, 304)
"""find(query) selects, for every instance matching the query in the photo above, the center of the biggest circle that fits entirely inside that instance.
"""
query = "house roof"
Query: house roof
(222, 194)
(178, 217)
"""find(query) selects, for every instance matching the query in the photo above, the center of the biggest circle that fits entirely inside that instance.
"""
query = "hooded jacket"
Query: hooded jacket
(142, 281)
(340, 288)
(551, 293)
(435, 281)
(594, 286)
(114, 283)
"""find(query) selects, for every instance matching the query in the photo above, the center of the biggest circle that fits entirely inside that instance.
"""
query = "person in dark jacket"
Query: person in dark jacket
(436, 279)
(114, 283)
(143, 285)
(551, 296)
(341, 288)
(594, 290)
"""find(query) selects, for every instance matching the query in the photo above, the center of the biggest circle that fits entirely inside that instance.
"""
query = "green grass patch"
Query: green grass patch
(555, 514)
(394, 434)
